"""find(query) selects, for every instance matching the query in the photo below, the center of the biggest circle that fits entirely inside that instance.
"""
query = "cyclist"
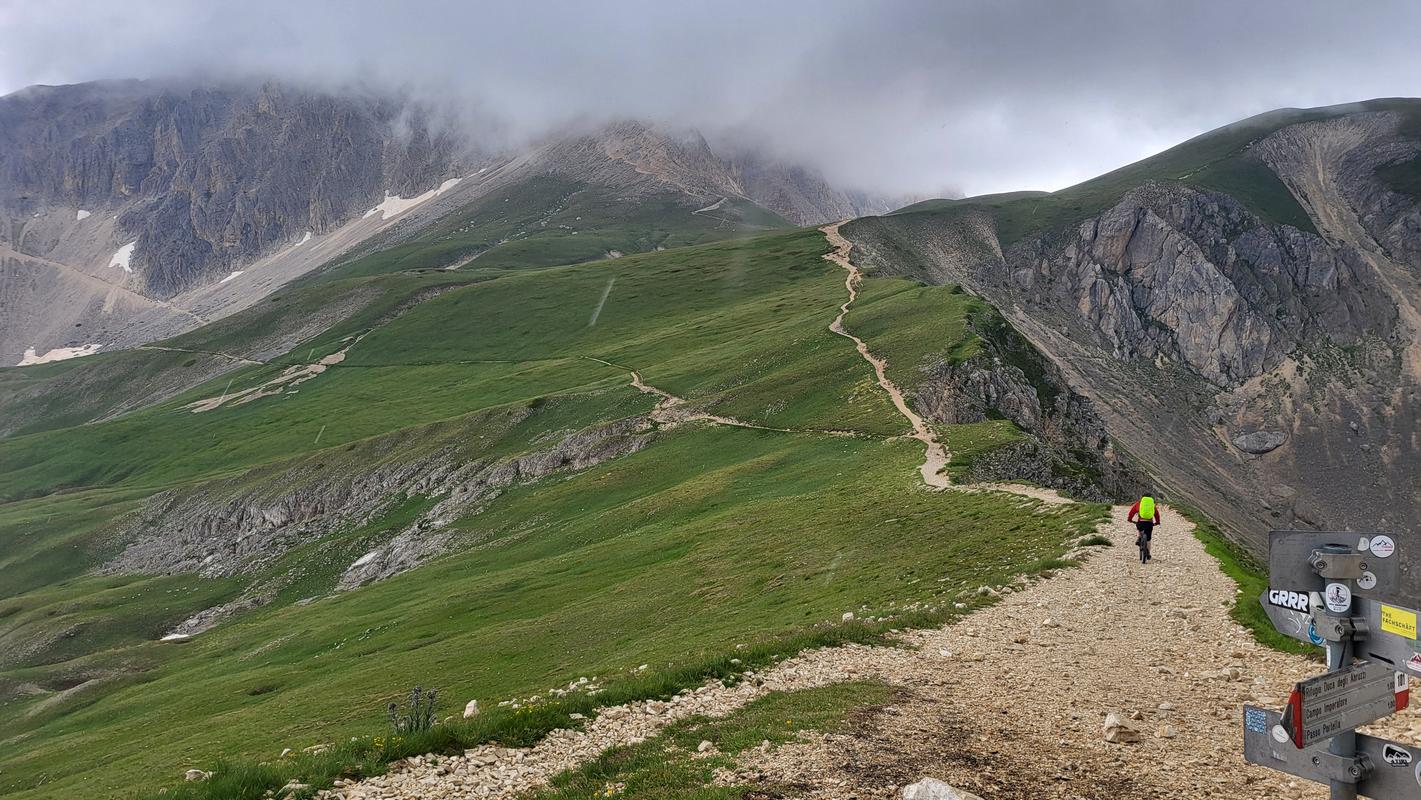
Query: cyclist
(1145, 514)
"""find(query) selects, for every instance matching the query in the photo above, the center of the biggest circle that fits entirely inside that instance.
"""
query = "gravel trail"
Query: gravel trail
(1008, 702)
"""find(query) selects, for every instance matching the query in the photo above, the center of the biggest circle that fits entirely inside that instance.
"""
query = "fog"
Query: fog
(926, 98)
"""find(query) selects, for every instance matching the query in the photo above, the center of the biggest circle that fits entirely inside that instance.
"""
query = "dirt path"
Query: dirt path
(673, 409)
(228, 356)
(936, 455)
(1008, 702)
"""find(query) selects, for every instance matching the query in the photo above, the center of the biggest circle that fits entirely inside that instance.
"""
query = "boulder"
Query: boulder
(471, 710)
(934, 789)
(1260, 442)
(1119, 731)
(196, 775)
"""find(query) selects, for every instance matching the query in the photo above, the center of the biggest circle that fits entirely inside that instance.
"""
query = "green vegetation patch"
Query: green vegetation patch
(549, 220)
(1252, 580)
(666, 766)
(913, 326)
(971, 441)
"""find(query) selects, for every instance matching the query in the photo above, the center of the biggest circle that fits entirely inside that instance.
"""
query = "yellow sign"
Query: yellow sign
(1399, 621)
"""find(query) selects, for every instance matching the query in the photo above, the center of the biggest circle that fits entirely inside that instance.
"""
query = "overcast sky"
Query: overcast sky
(918, 97)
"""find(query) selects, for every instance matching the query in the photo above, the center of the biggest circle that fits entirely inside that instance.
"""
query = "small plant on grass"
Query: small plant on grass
(418, 716)
(1097, 541)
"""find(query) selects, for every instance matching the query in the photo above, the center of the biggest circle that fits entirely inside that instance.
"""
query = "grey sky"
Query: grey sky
(918, 97)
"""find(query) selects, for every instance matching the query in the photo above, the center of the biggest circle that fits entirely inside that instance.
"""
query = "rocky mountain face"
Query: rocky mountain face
(639, 156)
(204, 179)
(1264, 373)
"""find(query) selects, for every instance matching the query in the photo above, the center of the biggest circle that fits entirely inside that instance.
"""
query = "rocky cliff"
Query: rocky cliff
(1255, 367)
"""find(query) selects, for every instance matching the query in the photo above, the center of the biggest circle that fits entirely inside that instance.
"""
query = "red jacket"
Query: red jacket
(1134, 515)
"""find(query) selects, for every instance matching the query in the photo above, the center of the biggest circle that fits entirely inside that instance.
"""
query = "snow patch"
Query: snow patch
(57, 354)
(394, 206)
(175, 637)
(122, 257)
(304, 239)
(81, 215)
(365, 559)
(233, 275)
(711, 207)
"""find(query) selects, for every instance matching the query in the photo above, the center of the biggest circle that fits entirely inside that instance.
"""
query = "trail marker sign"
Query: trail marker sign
(1339, 590)
(1382, 768)
(1324, 706)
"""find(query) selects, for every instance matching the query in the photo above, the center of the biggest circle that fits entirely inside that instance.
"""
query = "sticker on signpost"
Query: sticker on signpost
(1339, 598)
(1396, 756)
(1414, 663)
(1255, 719)
(1368, 581)
(1382, 546)
(1295, 601)
(1314, 636)
(1399, 621)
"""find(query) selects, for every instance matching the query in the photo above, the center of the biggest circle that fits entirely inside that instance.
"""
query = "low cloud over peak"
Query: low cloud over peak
(905, 97)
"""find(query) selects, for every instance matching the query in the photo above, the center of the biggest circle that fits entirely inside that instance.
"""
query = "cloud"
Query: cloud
(988, 95)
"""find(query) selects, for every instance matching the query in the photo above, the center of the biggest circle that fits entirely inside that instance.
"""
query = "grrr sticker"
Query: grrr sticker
(1339, 598)
(1255, 719)
(1399, 621)
(1296, 601)
(1368, 581)
(1382, 546)
(1396, 756)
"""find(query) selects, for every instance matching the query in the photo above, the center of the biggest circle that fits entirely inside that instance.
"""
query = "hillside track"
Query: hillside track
(936, 455)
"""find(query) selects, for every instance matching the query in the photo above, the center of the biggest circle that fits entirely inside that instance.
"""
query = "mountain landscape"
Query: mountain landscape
(146, 209)
(677, 469)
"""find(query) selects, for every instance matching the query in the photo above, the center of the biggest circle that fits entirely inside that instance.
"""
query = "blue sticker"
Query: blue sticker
(1313, 635)
(1255, 719)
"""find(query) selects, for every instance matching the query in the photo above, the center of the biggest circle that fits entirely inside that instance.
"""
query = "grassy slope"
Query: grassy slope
(709, 538)
(549, 220)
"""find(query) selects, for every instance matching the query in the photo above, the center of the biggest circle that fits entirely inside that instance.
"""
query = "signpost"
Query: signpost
(1329, 704)
(1390, 767)
(1337, 590)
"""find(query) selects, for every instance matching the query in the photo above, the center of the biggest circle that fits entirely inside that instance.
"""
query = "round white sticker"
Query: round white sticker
(1339, 598)
(1367, 581)
(1382, 546)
